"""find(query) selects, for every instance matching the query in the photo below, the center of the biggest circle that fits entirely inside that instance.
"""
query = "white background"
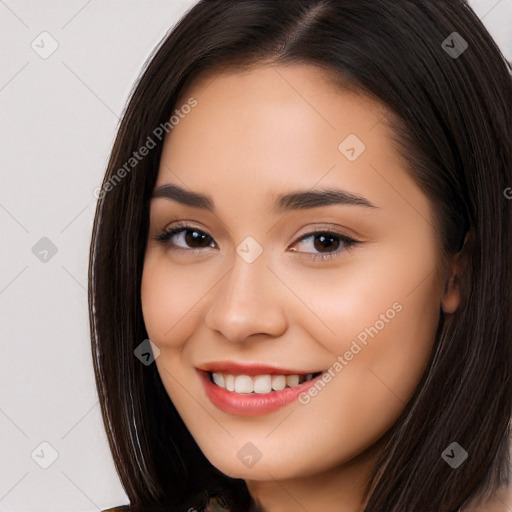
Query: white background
(59, 117)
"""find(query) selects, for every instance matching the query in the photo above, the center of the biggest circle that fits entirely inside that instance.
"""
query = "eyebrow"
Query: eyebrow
(301, 200)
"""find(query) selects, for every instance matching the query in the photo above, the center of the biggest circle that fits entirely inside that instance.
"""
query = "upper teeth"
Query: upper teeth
(258, 383)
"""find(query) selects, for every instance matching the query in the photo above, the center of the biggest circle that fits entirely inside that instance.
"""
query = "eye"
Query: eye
(185, 237)
(327, 244)
(324, 244)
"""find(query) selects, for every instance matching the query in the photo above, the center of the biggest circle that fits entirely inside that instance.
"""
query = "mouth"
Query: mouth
(253, 390)
(259, 384)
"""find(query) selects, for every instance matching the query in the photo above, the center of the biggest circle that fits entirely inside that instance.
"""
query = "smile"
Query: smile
(258, 384)
(253, 390)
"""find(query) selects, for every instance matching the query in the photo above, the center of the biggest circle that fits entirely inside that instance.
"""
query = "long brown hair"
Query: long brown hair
(452, 122)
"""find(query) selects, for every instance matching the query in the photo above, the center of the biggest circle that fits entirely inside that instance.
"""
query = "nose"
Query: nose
(247, 301)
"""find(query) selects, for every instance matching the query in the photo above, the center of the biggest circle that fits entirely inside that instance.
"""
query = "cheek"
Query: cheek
(367, 289)
(384, 332)
(380, 316)
(168, 297)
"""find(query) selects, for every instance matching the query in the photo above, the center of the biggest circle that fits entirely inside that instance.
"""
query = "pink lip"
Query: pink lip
(250, 369)
(251, 404)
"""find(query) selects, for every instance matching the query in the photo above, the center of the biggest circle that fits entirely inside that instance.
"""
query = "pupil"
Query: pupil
(194, 237)
(325, 241)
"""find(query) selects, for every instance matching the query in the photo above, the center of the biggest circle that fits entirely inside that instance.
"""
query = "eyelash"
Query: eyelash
(165, 236)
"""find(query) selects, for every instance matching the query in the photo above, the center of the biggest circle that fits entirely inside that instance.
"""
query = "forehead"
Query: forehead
(284, 113)
(272, 129)
(311, 84)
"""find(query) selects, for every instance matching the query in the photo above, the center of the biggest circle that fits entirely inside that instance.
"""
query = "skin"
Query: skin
(253, 135)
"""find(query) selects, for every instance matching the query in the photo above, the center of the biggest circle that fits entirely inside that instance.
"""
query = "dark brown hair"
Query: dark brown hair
(452, 117)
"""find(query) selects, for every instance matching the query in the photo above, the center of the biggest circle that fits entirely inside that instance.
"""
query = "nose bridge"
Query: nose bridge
(246, 281)
(246, 302)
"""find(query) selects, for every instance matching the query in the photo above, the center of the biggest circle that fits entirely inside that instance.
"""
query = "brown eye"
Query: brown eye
(324, 241)
(325, 244)
(195, 238)
(186, 238)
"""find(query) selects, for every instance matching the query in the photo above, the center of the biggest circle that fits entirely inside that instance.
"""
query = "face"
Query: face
(295, 305)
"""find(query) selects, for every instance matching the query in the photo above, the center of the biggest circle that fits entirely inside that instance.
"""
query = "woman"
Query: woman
(306, 212)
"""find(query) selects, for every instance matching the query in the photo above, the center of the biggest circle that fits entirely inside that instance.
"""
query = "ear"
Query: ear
(452, 288)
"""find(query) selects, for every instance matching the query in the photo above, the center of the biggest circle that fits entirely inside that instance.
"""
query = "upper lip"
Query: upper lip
(250, 368)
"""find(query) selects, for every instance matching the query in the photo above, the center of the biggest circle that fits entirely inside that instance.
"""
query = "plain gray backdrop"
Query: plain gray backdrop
(66, 69)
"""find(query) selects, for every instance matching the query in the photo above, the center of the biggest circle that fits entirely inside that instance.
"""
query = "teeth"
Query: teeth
(262, 384)
(292, 380)
(259, 384)
(230, 382)
(278, 382)
(243, 384)
(218, 378)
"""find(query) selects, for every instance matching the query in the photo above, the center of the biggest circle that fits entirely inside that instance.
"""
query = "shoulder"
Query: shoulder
(501, 502)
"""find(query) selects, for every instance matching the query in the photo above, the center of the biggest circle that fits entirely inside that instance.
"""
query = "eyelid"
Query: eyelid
(348, 241)
(332, 227)
(180, 226)
(328, 231)
(169, 231)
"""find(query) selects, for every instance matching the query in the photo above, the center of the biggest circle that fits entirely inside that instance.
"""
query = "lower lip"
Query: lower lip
(251, 404)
